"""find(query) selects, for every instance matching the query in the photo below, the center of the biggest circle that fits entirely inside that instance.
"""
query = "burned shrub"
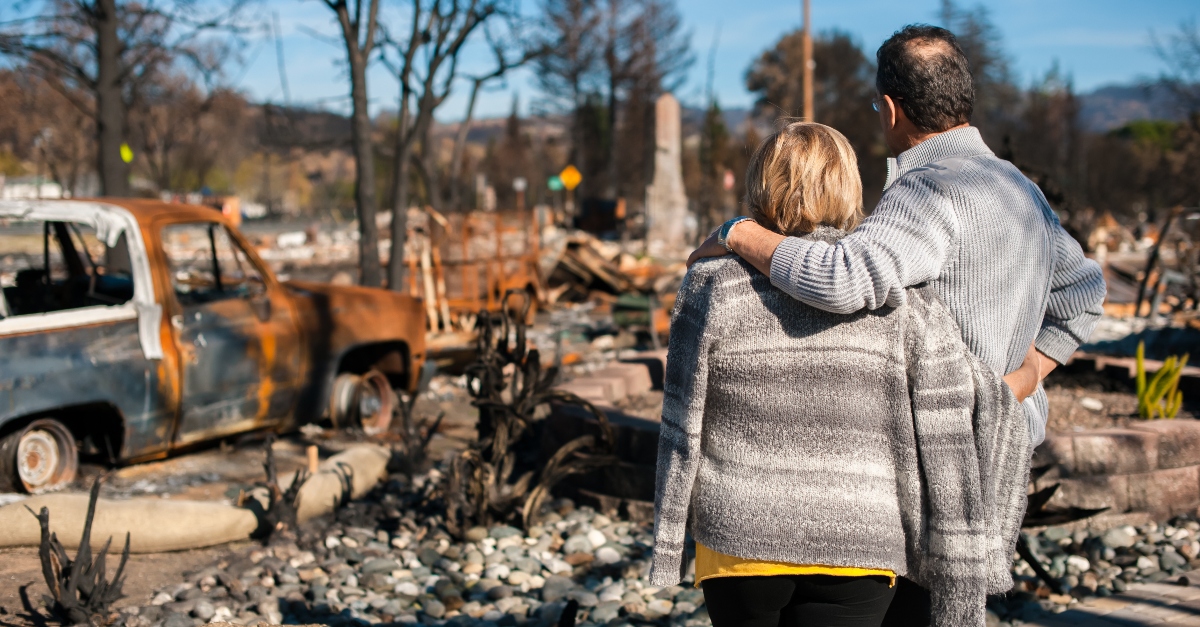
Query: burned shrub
(503, 471)
(80, 591)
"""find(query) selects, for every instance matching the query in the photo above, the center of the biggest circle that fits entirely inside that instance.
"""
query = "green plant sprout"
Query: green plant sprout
(1161, 397)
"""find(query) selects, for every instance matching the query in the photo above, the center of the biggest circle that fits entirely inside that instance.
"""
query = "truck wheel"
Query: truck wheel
(40, 457)
(366, 401)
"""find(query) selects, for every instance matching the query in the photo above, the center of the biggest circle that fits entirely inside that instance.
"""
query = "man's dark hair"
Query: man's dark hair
(925, 71)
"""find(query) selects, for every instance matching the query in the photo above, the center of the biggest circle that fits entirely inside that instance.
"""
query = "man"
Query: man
(956, 217)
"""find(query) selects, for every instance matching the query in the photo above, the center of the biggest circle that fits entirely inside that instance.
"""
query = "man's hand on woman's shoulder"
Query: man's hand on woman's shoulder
(748, 239)
(710, 248)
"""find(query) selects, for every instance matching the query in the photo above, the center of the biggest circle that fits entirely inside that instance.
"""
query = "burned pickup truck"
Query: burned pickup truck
(133, 328)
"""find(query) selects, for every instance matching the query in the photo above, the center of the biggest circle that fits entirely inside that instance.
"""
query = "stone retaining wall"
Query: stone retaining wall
(1152, 467)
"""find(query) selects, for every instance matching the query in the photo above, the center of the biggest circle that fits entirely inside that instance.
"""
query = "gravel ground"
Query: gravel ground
(384, 560)
(388, 559)
(1099, 564)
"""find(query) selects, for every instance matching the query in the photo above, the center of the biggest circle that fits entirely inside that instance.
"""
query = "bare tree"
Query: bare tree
(43, 127)
(509, 53)
(843, 85)
(1181, 52)
(996, 94)
(182, 131)
(610, 58)
(438, 30)
(567, 76)
(100, 53)
(658, 58)
(360, 27)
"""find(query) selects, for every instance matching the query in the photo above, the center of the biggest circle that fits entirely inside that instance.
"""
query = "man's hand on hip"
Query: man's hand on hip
(1024, 380)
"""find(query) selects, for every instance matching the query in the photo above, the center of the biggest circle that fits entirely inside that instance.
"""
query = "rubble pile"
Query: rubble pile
(581, 267)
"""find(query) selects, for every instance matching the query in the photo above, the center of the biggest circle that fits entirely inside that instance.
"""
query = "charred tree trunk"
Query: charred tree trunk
(405, 146)
(454, 200)
(358, 33)
(400, 174)
(612, 64)
(110, 103)
(364, 176)
(399, 220)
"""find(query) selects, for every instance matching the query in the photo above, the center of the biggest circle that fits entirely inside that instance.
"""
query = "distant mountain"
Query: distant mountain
(1114, 106)
(693, 118)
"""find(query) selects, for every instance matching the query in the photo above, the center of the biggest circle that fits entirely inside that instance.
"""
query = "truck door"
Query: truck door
(237, 338)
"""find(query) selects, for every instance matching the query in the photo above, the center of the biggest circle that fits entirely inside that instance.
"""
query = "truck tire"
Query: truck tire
(40, 457)
(365, 401)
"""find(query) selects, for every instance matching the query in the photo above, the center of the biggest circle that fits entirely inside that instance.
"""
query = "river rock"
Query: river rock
(584, 598)
(434, 608)
(596, 537)
(1171, 560)
(1118, 537)
(611, 592)
(428, 556)
(578, 544)
(177, 619)
(555, 588)
(498, 572)
(504, 531)
(204, 610)
(379, 565)
(605, 612)
(657, 608)
(607, 555)
(500, 592)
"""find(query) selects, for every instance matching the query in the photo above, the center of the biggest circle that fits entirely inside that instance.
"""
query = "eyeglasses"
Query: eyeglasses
(875, 102)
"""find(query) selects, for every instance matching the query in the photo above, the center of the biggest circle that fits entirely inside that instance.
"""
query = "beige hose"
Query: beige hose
(157, 525)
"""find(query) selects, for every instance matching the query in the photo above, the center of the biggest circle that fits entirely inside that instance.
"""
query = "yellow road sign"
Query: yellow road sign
(570, 177)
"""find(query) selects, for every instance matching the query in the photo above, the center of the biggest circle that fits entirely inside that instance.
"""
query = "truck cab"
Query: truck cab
(133, 328)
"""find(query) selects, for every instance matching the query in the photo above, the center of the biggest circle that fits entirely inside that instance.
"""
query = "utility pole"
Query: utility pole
(807, 60)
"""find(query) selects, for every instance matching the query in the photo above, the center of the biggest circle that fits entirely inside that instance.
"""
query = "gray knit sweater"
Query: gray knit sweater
(983, 236)
(873, 440)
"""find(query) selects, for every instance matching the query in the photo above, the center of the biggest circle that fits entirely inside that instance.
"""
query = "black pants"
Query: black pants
(910, 607)
(797, 601)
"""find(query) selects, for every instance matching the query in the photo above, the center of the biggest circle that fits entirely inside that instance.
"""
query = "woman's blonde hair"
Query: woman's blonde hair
(803, 176)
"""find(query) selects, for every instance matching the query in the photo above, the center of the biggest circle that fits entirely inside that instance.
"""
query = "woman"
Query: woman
(821, 455)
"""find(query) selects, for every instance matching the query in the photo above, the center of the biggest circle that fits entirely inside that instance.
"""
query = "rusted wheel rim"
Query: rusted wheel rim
(375, 403)
(46, 457)
(341, 400)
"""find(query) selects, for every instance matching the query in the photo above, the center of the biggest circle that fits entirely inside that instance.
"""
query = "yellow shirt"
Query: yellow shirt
(710, 563)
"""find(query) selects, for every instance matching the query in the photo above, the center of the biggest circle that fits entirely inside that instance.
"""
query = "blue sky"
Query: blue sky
(1097, 42)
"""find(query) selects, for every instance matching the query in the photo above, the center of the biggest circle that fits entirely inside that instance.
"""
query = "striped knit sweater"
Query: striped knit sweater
(793, 434)
(983, 236)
